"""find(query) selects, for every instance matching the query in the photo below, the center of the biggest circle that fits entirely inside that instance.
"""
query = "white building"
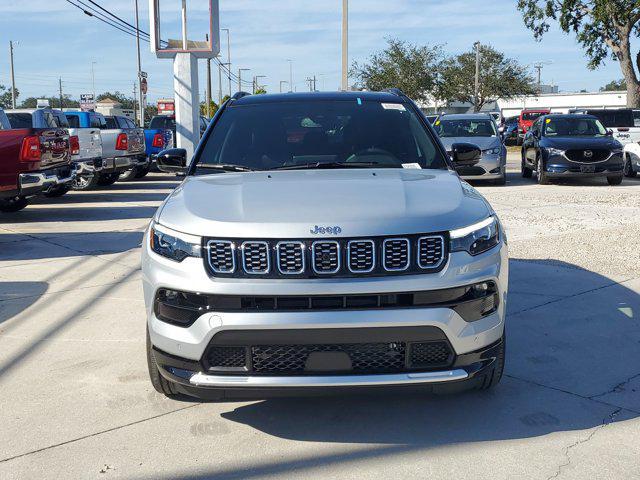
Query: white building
(109, 106)
(556, 102)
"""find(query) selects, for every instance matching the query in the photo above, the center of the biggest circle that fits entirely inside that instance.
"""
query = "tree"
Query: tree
(614, 85)
(261, 91)
(213, 108)
(500, 77)
(54, 102)
(402, 65)
(5, 96)
(602, 27)
(127, 102)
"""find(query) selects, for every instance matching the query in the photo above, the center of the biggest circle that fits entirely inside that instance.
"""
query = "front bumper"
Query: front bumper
(34, 183)
(559, 166)
(490, 167)
(187, 345)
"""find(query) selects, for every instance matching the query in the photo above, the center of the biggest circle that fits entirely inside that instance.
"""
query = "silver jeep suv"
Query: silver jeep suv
(319, 242)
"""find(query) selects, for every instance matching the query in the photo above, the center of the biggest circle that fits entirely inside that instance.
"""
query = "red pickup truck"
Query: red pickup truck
(34, 159)
(526, 119)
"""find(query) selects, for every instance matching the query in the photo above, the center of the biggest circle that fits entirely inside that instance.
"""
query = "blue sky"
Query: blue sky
(55, 39)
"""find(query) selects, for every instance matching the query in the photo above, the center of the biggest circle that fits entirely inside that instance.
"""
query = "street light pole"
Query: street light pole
(141, 99)
(345, 45)
(290, 75)
(93, 80)
(477, 79)
(229, 58)
(13, 80)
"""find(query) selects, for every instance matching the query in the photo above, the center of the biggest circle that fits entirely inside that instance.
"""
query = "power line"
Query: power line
(118, 18)
(87, 12)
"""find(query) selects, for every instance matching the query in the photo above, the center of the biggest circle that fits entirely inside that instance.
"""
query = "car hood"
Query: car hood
(482, 142)
(289, 204)
(581, 143)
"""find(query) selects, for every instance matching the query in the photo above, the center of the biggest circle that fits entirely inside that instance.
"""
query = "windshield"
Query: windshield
(573, 127)
(614, 118)
(162, 122)
(275, 135)
(531, 115)
(465, 128)
(20, 120)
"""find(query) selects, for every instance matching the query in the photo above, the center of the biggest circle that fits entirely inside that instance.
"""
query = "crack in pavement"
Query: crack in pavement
(567, 450)
(618, 388)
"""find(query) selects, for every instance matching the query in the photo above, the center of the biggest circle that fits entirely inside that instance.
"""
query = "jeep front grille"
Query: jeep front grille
(343, 257)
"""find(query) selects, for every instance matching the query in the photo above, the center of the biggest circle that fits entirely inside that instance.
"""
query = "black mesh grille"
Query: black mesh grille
(361, 255)
(430, 251)
(291, 257)
(227, 357)
(221, 256)
(587, 155)
(255, 256)
(396, 254)
(365, 357)
(432, 354)
(326, 257)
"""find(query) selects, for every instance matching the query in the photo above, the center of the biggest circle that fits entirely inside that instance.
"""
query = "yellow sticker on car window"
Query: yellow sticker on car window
(548, 120)
(437, 122)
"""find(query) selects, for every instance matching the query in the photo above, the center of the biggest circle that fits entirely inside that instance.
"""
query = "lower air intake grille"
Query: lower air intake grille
(432, 354)
(227, 357)
(365, 357)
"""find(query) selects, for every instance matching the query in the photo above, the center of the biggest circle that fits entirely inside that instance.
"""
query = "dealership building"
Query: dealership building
(556, 102)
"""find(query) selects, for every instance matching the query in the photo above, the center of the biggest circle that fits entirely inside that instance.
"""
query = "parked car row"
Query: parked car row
(44, 151)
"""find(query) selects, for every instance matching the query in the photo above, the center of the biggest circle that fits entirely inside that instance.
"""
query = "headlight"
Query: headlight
(476, 239)
(554, 151)
(492, 151)
(174, 245)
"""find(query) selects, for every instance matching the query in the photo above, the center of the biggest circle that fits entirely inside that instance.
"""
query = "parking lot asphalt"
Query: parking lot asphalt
(75, 400)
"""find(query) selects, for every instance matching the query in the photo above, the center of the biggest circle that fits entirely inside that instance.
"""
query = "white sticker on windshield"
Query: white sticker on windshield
(412, 165)
(393, 106)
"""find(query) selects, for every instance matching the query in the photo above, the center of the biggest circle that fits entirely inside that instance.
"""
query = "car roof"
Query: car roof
(467, 116)
(569, 115)
(320, 96)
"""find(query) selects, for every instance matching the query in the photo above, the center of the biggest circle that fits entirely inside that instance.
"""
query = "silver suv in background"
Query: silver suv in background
(319, 242)
(479, 129)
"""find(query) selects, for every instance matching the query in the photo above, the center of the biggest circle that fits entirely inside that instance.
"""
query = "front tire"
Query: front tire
(617, 180)
(142, 172)
(13, 204)
(492, 378)
(543, 179)
(628, 170)
(161, 384)
(129, 175)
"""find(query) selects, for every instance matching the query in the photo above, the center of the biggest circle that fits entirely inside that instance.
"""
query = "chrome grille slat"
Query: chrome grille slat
(325, 256)
(255, 258)
(396, 254)
(430, 251)
(361, 256)
(221, 256)
(290, 257)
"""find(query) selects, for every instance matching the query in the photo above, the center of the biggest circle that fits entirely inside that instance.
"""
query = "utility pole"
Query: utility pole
(13, 79)
(315, 88)
(256, 86)
(60, 89)
(93, 80)
(345, 45)
(240, 70)
(141, 100)
(290, 75)
(538, 67)
(219, 84)
(228, 64)
(207, 95)
(477, 79)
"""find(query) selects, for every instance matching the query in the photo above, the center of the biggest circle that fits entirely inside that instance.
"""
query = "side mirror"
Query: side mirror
(465, 154)
(172, 160)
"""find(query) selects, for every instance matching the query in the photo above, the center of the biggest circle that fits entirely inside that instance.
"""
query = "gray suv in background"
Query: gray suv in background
(479, 129)
(318, 242)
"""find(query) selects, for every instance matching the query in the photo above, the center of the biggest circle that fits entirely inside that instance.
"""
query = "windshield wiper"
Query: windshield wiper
(327, 165)
(226, 167)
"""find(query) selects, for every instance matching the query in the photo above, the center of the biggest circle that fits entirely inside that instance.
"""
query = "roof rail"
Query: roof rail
(239, 95)
(395, 91)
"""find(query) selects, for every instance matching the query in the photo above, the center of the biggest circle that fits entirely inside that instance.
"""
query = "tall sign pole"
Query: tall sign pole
(140, 88)
(477, 79)
(13, 80)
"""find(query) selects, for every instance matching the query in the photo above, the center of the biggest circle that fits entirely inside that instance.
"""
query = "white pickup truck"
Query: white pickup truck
(88, 160)
(620, 121)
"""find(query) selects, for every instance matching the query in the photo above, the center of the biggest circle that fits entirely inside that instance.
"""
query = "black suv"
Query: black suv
(573, 145)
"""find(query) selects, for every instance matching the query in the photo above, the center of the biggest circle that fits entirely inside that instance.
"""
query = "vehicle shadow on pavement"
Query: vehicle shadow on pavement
(572, 355)
(27, 294)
